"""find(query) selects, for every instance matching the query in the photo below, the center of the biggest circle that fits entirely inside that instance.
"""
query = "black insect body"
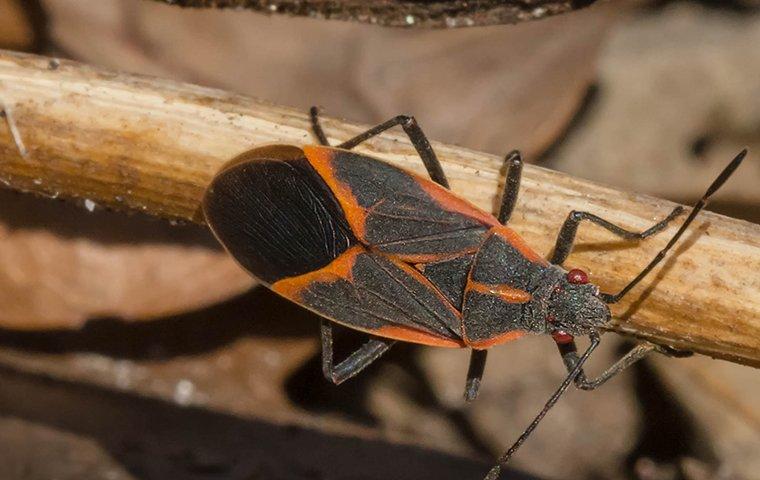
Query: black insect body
(377, 249)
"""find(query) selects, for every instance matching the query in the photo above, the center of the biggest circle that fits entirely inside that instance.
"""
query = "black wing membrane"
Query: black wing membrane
(277, 218)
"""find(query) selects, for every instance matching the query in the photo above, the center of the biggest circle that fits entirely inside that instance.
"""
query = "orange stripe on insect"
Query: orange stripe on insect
(452, 203)
(504, 292)
(416, 336)
(340, 268)
(511, 237)
(321, 159)
(419, 259)
(490, 342)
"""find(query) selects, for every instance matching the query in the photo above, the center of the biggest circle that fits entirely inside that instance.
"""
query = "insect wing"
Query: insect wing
(379, 295)
(282, 223)
(397, 212)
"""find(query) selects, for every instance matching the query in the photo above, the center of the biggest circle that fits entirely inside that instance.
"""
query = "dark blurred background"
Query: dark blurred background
(131, 348)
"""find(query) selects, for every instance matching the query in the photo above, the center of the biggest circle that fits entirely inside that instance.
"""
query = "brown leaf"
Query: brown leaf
(62, 265)
(411, 397)
(442, 13)
(489, 89)
(16, 30)
(678, 100)
(35, 451)
(530, 78)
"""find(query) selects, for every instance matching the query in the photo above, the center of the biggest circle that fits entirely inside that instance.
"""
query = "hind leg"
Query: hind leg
(356, 362)
(412, 130)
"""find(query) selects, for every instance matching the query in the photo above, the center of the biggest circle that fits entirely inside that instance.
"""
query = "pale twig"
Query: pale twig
(132, 142)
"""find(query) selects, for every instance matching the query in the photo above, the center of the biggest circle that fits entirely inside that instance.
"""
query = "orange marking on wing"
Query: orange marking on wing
(411, 335)
(504, 338)
(516, 241)
(321, 159)
(504, 292)
(453, 203)
(291, 287)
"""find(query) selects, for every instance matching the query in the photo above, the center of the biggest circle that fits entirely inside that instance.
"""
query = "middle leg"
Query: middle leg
(475, 374)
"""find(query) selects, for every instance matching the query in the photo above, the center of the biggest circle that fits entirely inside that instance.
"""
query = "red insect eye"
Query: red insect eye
(577, 276)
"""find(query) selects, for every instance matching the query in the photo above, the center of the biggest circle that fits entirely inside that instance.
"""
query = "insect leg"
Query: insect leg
(569, 354)
(475, 373)
(412, 130)
(316, 126)
(494, 473)
(356, 362)
(566, 236)
(511, 185)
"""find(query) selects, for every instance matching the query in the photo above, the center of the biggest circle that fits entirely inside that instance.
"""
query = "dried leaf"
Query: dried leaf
(16, 30)
(677, 100)
(62, 265)
(442, 13)
(530, 80)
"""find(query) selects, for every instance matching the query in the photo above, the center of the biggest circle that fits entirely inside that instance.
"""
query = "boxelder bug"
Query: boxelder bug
(377, 249)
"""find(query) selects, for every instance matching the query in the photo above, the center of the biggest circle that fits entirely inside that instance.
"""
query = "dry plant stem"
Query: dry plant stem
(139, 143)
(404, 13)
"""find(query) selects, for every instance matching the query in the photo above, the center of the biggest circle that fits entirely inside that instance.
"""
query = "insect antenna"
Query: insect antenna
(493, 474)
(724, 175)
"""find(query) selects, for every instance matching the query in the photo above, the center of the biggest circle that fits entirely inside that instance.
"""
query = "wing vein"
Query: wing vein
(432, 312)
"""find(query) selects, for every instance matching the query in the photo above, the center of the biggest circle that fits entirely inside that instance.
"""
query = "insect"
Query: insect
(375, 248)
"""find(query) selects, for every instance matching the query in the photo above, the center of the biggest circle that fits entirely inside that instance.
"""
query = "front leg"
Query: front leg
(566, 237)
(569, 353)
(494, 473)
(356, 362)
